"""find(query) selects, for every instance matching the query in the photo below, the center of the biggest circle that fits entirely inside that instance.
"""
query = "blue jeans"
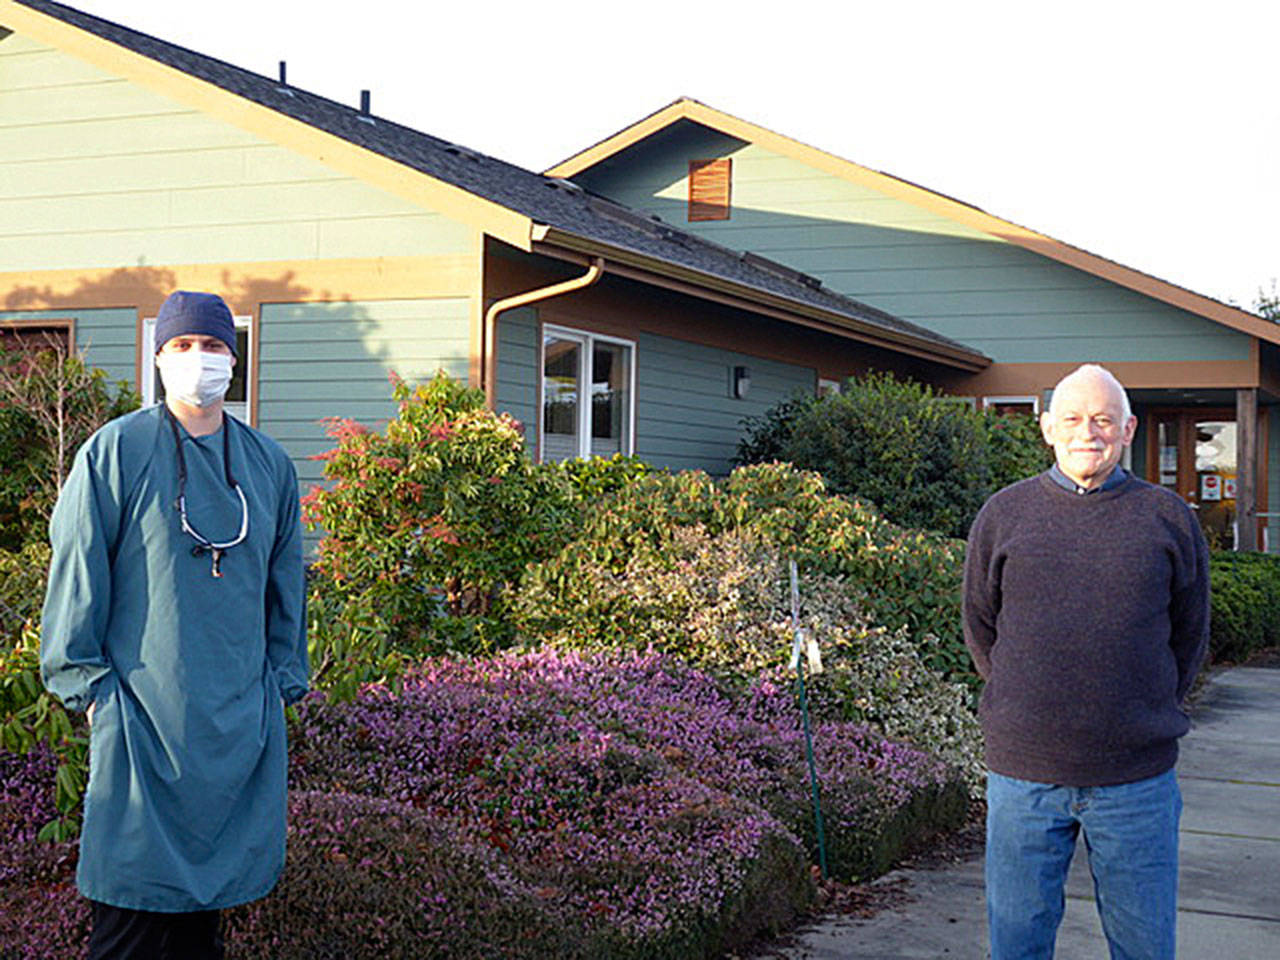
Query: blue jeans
(1131, 834)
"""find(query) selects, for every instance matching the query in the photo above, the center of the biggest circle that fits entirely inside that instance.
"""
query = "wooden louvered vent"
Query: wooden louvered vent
(709, 189)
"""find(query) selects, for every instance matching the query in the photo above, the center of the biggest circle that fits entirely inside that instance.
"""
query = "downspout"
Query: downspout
(488, 355)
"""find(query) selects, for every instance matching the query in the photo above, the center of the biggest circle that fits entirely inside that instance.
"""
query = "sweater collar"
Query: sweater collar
(1118, 476)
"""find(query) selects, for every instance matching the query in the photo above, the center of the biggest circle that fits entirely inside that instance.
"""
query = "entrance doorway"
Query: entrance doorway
(1193, 453)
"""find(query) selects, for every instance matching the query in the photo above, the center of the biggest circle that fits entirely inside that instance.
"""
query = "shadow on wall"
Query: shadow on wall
(319, 354)
(146, 287)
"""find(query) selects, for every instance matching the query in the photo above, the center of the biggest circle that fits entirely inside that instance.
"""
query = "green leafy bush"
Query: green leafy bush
(1244, 604)
(900, 579)
(924, 462)
(427, 523)
(688, 566)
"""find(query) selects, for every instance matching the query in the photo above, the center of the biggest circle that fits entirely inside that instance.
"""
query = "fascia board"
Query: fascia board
(1046, 246)
(553, 242)
(367, 165)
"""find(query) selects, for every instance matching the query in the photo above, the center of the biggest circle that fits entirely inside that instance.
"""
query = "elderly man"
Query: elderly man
(175, 617)
(1086, 612)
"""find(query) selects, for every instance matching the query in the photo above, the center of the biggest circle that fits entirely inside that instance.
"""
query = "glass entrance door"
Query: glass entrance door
(1194, 454)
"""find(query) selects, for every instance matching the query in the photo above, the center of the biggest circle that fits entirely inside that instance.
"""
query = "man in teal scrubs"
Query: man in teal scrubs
(175, 617)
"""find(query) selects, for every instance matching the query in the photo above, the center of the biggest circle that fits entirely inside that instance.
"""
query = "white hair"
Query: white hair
(1093, 371)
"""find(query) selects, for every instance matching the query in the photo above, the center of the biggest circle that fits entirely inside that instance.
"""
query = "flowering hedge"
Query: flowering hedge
(545, 804)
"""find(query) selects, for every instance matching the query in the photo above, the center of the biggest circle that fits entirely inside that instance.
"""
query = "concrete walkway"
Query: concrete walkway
(1229, 891)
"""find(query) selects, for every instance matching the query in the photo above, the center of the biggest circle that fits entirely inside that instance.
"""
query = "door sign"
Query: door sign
(1210, 487)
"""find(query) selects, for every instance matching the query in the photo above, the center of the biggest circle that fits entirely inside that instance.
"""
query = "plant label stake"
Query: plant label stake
(806, 644)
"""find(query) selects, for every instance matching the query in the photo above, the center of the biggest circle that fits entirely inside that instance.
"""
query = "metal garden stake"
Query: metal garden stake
(806, 648)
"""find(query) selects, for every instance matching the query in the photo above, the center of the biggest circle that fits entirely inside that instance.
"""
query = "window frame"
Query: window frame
(148, 373)
(587, 339)
(997, 399)
(62, 325)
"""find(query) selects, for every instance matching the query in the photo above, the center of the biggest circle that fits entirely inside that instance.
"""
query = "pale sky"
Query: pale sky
(1146, 132)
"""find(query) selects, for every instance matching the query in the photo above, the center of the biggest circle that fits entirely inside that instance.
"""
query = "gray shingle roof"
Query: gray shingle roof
(547, 200)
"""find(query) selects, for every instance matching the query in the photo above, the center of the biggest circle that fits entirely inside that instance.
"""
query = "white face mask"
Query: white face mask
(195, 377)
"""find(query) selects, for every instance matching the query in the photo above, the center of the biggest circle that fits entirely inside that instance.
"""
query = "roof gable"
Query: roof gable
(688, 110)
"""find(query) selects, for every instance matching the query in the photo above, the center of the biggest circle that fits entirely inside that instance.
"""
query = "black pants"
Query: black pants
(122, 934)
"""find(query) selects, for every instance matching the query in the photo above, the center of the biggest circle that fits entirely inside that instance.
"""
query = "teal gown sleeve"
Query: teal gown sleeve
(286, 613)
(77, 606)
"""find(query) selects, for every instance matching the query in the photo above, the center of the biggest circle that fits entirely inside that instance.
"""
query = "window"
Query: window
(588, 395)
(239, 399)
(709, 182)
(827, 387)
(1030, 406)
(22, 336)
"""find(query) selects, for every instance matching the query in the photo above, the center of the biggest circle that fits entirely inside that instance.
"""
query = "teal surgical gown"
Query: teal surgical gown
(187, 672)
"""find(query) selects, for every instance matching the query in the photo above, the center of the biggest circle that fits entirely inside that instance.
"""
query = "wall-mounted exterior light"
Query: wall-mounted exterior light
(741, 382)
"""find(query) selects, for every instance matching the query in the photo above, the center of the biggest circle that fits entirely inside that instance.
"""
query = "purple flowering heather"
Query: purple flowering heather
(533, 805)
(41, 914)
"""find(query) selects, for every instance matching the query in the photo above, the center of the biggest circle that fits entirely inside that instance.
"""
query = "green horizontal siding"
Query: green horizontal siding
(97, 172)
(516, 390)
(685, 416)
(319, 360)
(1002, 299)
(106, 336)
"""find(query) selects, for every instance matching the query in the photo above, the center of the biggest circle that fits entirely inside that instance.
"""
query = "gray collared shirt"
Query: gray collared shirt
(1118, 476)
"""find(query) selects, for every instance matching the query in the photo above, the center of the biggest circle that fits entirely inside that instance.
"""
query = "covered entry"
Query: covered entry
(1210, 448)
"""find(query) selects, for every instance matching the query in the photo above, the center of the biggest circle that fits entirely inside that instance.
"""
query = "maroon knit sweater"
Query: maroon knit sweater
(1088, 616)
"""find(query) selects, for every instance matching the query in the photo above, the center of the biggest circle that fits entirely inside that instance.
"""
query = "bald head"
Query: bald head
(1088, 424)
(1092, 373)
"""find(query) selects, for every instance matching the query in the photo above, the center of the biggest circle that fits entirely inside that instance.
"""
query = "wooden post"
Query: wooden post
(1247, 468)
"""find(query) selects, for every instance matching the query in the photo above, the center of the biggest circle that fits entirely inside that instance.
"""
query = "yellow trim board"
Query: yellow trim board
(692, 110)
(243, 285)
(342, 155)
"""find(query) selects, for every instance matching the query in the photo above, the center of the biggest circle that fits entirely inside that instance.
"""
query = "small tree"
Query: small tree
(1268, 304)
(51, 401)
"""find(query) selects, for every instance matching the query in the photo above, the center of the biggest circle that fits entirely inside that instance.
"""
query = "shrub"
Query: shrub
(924, 462)
(426, 523)
(24, 573)
(1244, 604)
(541, 805)
(721, 603)
(41, 914)
(900, 579)
(31, 717)
(547, 755)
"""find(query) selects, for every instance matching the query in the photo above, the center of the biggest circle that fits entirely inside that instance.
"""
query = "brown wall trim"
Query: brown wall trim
(1027, 378)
